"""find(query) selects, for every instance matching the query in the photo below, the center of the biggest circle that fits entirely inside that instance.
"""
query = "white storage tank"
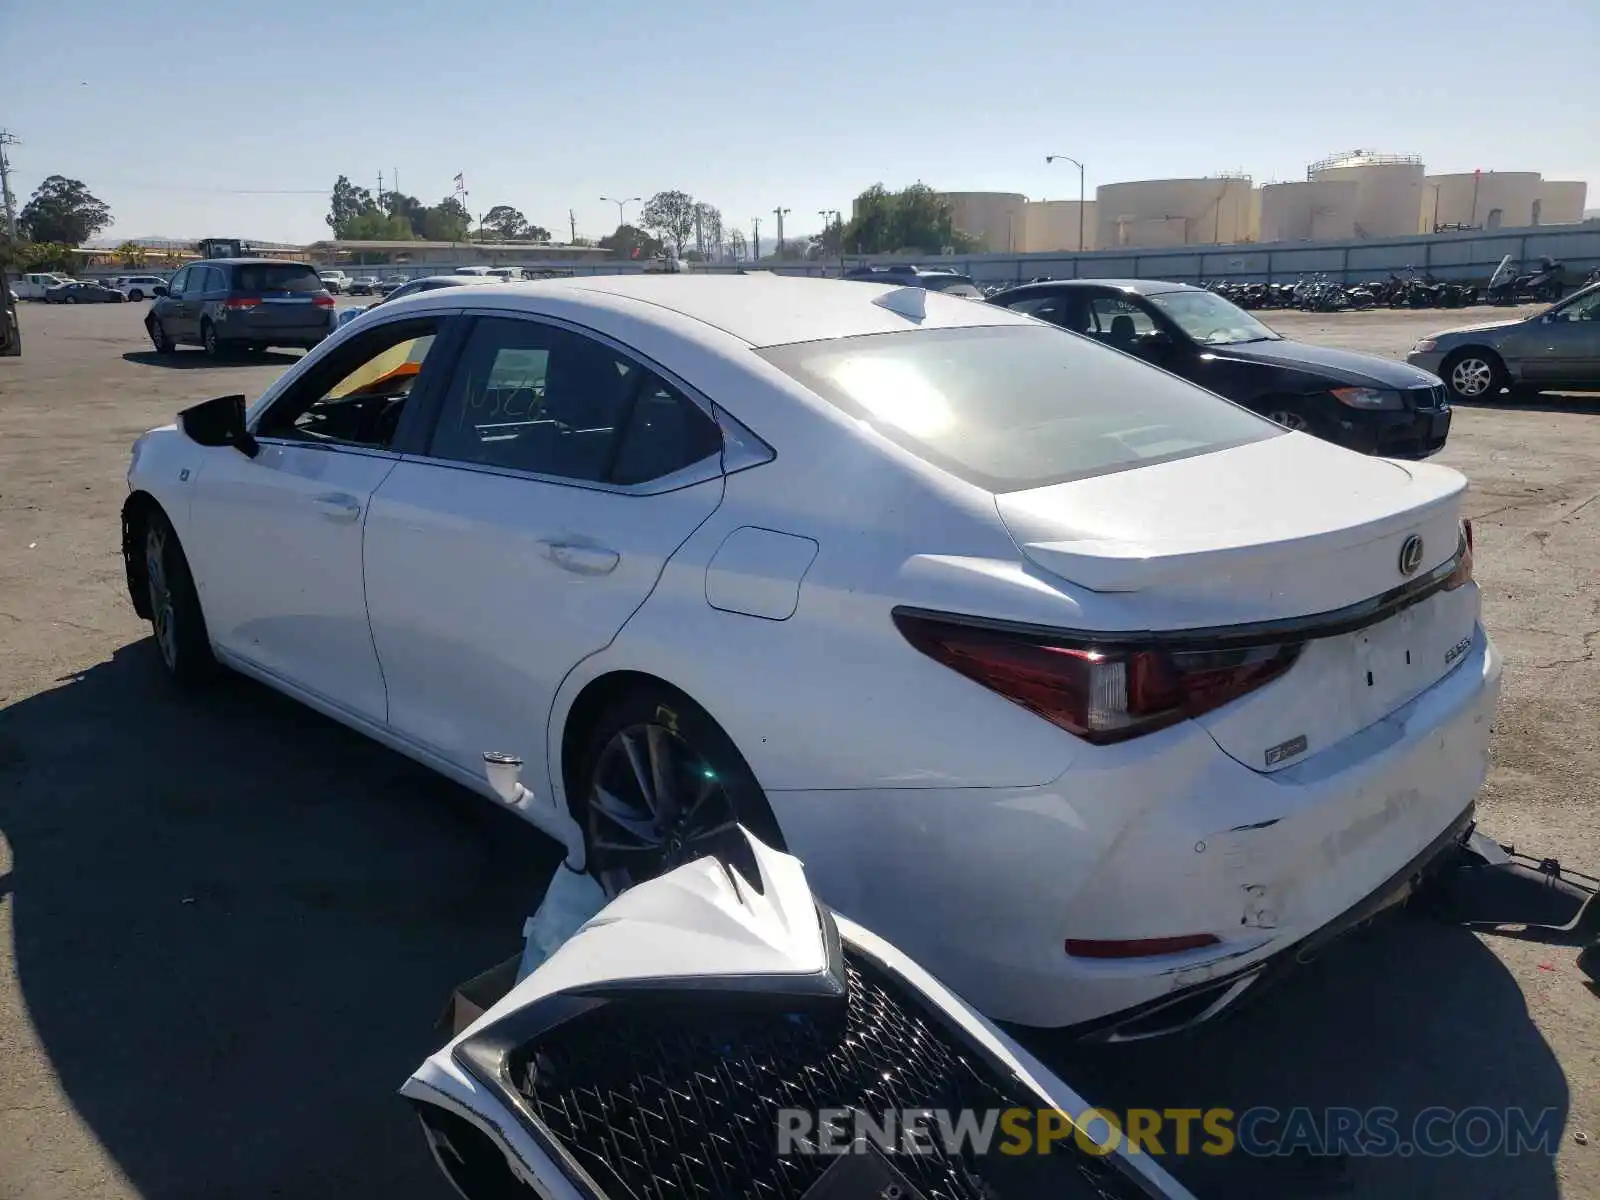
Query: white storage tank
(1561, 202)
(1056, 224)
(1309, 212)
(1482, 200)
(1174, 212)
(1388, 190)
(997, 219)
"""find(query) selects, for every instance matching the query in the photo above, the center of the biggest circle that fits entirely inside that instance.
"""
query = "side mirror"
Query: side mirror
(219, 422)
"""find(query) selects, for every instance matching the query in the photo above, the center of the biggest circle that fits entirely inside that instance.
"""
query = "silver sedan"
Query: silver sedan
(1557, 349)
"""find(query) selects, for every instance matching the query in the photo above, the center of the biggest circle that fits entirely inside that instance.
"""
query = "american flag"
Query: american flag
(461, 183)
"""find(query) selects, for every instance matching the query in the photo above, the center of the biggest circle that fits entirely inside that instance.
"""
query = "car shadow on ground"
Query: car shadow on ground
(189, 360)
(236, 924)
(1542, 402)
(1409, 1015)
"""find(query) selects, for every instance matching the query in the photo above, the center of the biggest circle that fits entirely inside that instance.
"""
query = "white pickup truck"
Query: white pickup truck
(34, 284)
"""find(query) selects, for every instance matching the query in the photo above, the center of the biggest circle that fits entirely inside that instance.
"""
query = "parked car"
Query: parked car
(706, 1007)
(939, 280)
(364, 285)
(34, 284)
(389, 283)
(335, 281)
(1355, 400)
(228, 304)
(87, 292)
(505, 274)
(428, 283)
(1101, 696)
(1558, 349)
(141, 287)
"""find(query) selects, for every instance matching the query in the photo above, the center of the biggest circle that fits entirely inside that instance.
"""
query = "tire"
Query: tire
(69, 299)
(159, 338)
(1472, 374)
(178, 625)
(208, 339)
(136, 295)
(644, 727)
(1290, 412)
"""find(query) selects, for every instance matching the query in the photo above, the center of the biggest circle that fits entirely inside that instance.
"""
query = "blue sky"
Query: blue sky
(179, 119)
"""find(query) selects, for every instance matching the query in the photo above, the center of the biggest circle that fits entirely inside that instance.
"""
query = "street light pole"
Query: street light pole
(1050, 158)
(621, 205)
(838, 224)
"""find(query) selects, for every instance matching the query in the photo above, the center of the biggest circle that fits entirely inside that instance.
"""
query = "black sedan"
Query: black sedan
(1355, 400)
(83, 293)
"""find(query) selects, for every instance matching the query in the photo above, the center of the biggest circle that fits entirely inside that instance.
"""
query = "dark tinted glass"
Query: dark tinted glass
(532, 397)
(276, 277)
(665, 433)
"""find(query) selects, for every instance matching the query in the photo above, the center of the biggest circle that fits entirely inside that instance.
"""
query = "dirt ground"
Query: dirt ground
(229, 925)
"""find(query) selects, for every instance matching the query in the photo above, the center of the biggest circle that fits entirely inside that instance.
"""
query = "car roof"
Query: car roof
(758, 309)
(1139, 287)
(252, 262)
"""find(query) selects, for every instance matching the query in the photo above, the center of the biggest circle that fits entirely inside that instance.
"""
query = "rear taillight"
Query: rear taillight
(1463, 572)
(1101, 693)
(242, 302)
(323, 300)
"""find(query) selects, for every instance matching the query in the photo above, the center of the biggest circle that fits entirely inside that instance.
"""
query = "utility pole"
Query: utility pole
(572, 224)
(780, 213)
(396, 179)
(380, 188)
(755, 257)
(6, 139)
(838, 223)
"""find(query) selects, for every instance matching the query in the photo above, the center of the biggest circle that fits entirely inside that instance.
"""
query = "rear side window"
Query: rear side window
(276, 277)
(1017, 406)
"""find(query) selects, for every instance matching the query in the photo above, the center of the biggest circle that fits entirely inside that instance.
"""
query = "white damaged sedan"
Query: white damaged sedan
(1098, 694)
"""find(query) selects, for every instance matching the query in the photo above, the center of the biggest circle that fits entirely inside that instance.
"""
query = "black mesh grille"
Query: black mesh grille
(660, 1100)
(1425, 399)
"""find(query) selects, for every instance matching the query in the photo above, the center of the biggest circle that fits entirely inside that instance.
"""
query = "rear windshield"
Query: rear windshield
(276, 277)
(1015, 407)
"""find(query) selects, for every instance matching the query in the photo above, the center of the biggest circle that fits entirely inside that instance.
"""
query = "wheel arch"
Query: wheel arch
(1488, 353)
(136, 510)
(592, 699)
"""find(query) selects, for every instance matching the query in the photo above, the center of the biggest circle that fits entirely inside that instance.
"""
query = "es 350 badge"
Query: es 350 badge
(1457, 650)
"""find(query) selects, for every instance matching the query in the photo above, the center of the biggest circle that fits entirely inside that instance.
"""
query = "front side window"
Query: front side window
(1119, 321)
(534, 397)
(1583, 308)
(356, 395)
(1017, 406)
(180, 281)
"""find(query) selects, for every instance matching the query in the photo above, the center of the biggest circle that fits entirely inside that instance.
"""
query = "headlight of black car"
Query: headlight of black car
(1371, 399)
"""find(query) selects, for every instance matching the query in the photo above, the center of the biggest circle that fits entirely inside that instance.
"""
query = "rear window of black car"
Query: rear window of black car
(276, 277)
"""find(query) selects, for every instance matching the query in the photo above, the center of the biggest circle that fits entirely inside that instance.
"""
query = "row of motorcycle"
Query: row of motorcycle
(1545, 282)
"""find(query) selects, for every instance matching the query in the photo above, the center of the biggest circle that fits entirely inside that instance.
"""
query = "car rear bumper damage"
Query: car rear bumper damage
(1165, 836)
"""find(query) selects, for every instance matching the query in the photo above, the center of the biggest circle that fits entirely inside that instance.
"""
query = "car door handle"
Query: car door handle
(337, 506)
(582, 558)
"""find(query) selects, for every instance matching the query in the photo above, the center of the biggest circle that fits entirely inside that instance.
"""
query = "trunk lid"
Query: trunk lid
(1274, 531)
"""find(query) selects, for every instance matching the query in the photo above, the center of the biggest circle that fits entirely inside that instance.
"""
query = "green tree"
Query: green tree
(348, 203)
(506, 223)
(375, 226)
(446, 221)
(63, 210)
(627, 241)
(671, 216)
(915, 219)
(132, 254)
(707, 230)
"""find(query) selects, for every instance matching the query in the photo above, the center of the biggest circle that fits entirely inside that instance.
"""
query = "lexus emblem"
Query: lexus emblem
(1410, 555)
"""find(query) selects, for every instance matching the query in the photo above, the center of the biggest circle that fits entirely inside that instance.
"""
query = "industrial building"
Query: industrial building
(1359, 194)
